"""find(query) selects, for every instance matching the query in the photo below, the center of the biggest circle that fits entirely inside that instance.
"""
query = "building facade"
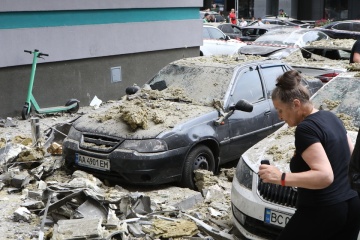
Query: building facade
(96, 48)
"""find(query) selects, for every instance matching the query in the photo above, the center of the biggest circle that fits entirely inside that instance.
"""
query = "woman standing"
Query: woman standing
(327, 207)
(232, 16)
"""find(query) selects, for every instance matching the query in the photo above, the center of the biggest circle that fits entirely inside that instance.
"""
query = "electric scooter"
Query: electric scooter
(71, 106)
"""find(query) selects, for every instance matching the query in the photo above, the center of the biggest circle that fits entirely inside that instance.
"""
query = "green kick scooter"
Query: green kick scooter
(71, 106)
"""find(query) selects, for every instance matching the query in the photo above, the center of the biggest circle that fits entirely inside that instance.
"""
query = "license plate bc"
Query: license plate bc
(276, 218)
(101, 164)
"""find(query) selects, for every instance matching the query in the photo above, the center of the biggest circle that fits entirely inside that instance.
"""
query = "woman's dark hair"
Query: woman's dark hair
(288, 88)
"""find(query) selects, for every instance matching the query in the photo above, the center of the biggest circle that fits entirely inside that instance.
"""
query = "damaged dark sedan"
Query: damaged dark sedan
(196, 113)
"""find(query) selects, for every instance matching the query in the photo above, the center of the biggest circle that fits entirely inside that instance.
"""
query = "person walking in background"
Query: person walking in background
(215, 8)
(232, 16)
(326, 207)
(282, 13)
(355, 52)
(259, 22)
(206, 18)
(243, 23)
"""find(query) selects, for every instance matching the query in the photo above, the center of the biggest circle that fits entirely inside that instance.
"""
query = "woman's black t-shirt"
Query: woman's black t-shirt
(326, 128)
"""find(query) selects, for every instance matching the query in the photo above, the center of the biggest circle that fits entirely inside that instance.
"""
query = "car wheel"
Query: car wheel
(200, 157)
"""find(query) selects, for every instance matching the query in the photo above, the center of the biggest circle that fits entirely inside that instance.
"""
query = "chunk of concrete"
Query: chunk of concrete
(22, 214)
(75, 229)
(172, 229)
(92, 208)
(190, 201)
(33, 204)
(20, 180)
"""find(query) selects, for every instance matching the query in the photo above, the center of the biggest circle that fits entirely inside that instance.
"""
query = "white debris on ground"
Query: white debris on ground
(40, 201)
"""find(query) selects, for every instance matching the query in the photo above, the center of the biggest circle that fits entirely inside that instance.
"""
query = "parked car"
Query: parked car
(251, 33)
(279, 43)
(195, 113)
(286, 21)
(342, 29)
(323, 59)
(215, 42)
(218, 17)
(232, 30)
(260, 210)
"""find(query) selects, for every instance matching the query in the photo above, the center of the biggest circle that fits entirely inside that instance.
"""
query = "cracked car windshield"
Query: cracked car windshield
(191, 80)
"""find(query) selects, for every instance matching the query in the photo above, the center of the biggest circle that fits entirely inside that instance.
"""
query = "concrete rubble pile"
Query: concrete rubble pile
(79, 206)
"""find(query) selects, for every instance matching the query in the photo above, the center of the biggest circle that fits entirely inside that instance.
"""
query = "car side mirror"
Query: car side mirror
(242, 105)
(227, 38)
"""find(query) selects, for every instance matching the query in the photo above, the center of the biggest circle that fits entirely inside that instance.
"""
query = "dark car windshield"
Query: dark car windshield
(201, 84)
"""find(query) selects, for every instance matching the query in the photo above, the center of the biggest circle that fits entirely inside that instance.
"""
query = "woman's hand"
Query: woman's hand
(270, 174)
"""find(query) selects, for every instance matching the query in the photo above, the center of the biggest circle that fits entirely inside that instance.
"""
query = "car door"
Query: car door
(245, 129)
(269, 74)
(217, 44)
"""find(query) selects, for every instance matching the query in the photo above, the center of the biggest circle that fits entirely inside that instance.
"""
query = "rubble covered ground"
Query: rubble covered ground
(39, 200)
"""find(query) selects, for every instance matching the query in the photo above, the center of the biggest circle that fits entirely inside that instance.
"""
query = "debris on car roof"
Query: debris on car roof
(149, 107)
(296, 59)
(341, 44)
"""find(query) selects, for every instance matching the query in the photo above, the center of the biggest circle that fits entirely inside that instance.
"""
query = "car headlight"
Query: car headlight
(145, 146)
(244, 174)
(74, 134)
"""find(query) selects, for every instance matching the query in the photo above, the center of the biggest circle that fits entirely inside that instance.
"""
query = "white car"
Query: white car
(215, 42)
(260, 210)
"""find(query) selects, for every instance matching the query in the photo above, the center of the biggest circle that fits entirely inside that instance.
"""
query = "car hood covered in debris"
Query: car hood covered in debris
(341, 96)
(140, 119)
(174, 96)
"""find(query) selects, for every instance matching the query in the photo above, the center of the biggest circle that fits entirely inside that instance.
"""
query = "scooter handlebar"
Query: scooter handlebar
(43, 54)
(39, 55)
